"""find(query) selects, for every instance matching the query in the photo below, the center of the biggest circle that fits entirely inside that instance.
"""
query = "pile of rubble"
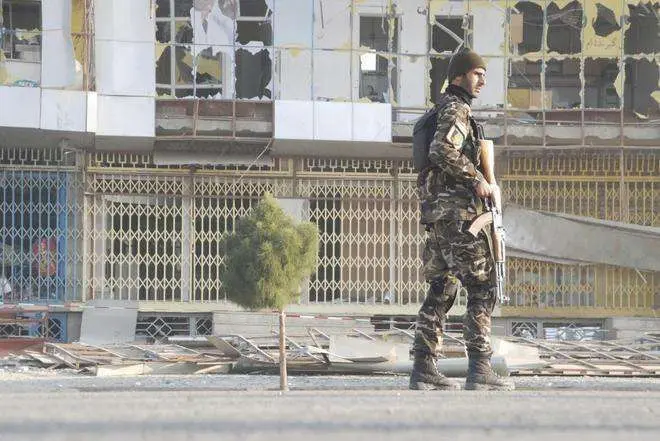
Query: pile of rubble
(360, 353)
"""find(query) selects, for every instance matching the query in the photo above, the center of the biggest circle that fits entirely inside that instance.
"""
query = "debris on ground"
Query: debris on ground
(358, 353)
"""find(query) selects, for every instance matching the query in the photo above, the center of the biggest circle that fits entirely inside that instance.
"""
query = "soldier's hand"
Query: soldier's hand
(483, 189)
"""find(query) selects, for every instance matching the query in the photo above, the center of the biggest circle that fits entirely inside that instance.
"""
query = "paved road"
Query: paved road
(323, 408)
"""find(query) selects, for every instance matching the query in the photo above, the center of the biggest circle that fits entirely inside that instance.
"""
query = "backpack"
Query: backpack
(423, 133)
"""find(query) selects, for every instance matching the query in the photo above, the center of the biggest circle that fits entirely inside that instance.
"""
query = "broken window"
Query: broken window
(643, 35)
(20, 31)
(562, 102)
(253, 52)
(438, 73)
(641, 83)
(378, 81)
(253, 73)
(524, 92)
(449, 32)
(600, 78)
(195, 49)
(20, 42)
(213, 49)
(524, 89)
(564, 28)
(253, 8)
(249, 31)
(562, 83)
(526, 28)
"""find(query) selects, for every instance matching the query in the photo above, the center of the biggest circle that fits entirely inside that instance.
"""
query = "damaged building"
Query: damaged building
(133, 134)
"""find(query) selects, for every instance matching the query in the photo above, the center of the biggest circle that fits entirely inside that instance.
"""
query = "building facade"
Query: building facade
(133, 133)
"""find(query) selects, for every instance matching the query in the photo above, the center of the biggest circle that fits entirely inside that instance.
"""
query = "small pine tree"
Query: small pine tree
(267, 257)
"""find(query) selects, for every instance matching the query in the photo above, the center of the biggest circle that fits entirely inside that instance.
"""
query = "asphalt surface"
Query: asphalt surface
(232, 407)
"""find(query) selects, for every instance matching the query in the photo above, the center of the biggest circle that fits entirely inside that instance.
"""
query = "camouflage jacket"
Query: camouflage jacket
(446, 188)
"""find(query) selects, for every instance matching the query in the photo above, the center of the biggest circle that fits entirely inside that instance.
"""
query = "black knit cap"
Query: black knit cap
(463, 62)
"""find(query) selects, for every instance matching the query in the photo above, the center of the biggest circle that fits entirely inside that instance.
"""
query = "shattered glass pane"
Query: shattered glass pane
(260, 31)
(182, 7)
(562, 83)
(438, 75)
(183, 65)
(443, 41)
(375, 33)
(164, 65)
(183, 32)
(20, 37)
(524, 89)
(606, 21)
(641, 81)
(253, 8)
(374, 77)
(378, 70)
(163, 92)
(564, 28)
(163, 32)
(643, 35)
(162, 8)
(600, 78)
(207, 67)
(253, 73)
(526, 29)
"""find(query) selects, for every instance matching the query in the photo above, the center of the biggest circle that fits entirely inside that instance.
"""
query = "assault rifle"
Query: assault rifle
(492, 216)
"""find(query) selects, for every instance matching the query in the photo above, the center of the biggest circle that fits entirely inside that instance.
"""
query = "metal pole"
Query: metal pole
(283, 377)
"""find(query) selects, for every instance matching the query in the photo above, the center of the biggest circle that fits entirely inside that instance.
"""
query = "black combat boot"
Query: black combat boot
(425, 375)
(482, 377)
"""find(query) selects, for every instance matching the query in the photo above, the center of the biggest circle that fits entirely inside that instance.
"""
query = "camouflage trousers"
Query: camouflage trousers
(454, 259)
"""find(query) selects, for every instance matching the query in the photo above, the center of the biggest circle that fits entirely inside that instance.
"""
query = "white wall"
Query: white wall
(333, 121)
(25, 108)
(58, 66)
(413, 43)
(125, 66)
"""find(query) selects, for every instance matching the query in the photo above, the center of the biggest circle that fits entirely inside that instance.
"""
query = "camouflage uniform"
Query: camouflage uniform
(453, 258)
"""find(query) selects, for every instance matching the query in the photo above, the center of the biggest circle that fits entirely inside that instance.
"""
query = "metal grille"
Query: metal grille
(203, 326)
(147, 232)
(40, 232)
(606, 185)
(525, 329)
(160, 326)
(35, 325)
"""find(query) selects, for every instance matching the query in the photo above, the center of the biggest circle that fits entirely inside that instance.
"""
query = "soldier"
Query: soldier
(450, 192)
